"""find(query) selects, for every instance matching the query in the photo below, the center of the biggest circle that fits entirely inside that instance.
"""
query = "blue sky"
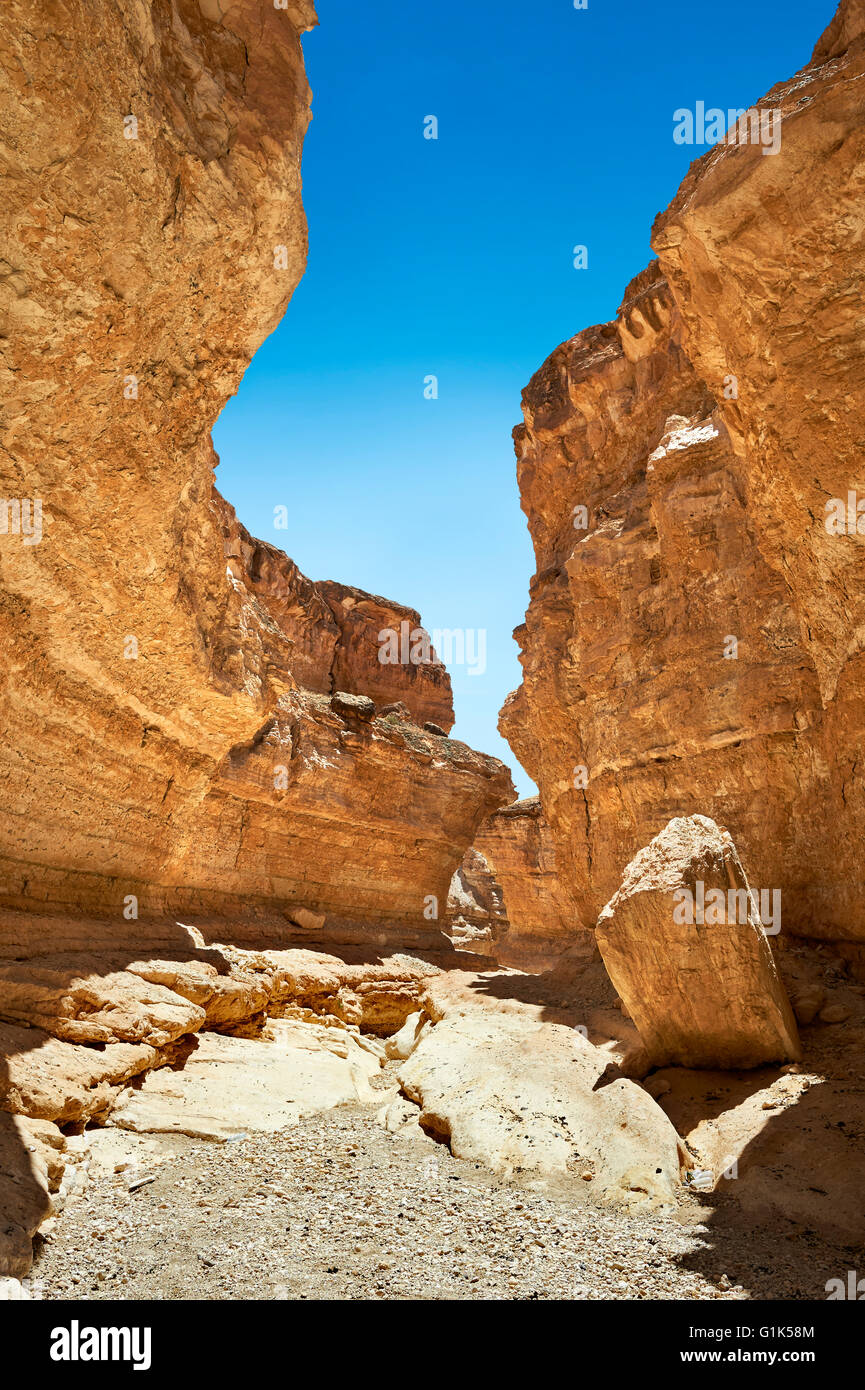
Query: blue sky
(453, 257)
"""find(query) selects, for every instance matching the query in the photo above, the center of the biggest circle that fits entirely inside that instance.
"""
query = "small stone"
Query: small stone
(352, 706)
(834, 1013)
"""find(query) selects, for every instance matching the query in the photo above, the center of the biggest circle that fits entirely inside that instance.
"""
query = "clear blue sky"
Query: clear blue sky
(454, 257)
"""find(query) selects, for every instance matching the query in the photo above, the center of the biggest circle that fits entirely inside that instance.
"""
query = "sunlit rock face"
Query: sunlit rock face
(694, 633)
(766, 259)
(477, 921)
(167, 680)
(543, 922)
(635, 704)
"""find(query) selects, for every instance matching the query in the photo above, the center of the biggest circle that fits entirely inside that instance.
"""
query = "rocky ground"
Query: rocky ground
(337, 1207)
(484, 1143)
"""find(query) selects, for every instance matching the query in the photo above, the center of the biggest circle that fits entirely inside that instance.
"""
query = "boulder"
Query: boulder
(31, 1168)
(517, 1095)
(352, 706)
(231, 1086)
(402, 1044)
(685, 948)
(82, 999)
(68, 1083)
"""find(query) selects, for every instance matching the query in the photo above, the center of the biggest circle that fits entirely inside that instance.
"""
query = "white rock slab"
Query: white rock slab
(231, 1086)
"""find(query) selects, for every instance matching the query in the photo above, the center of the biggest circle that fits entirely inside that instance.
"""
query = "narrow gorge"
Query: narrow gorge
(297, 999)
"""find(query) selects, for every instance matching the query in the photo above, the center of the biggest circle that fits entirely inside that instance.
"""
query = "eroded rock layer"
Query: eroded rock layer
(692, 643)
(175, 741)
(477, 920)
(542, 917)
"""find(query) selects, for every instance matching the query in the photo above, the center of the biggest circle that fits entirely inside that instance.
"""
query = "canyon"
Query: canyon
(696, 645)
(263, 922)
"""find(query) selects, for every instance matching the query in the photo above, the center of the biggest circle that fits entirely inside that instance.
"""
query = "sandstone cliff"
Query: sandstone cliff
(174, 738)
(542, 917)
(694, 633)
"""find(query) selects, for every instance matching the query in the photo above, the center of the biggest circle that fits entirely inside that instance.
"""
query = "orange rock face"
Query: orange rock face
(542, 916)
(693, 639)
(773, 299)
(172, 738)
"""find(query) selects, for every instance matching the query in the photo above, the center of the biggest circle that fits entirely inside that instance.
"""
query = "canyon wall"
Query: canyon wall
(693, 642)
(477, 919)
(542, 917)
(180, 735)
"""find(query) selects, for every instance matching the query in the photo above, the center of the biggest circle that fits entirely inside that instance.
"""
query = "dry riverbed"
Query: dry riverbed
(336, 1207)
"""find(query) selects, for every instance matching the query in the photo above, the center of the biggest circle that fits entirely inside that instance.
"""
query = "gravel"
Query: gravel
(338, 1208)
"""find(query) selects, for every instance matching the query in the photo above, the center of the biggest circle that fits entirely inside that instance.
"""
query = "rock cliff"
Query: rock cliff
(176, 741)
(693, 638)
(542, 917)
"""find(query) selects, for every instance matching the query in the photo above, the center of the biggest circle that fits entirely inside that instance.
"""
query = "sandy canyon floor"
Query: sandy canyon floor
(249, 1170)
(337, 1208)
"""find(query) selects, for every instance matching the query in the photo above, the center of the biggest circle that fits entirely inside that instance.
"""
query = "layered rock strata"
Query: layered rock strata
(693, 638)
(477, 920)
(81, 1034)
(176, 744)
(543, 919)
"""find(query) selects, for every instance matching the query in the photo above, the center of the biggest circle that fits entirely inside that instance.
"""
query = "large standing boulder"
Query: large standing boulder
(684, 945)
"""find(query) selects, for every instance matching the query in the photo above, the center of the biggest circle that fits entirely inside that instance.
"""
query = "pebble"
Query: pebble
(338, 1207)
